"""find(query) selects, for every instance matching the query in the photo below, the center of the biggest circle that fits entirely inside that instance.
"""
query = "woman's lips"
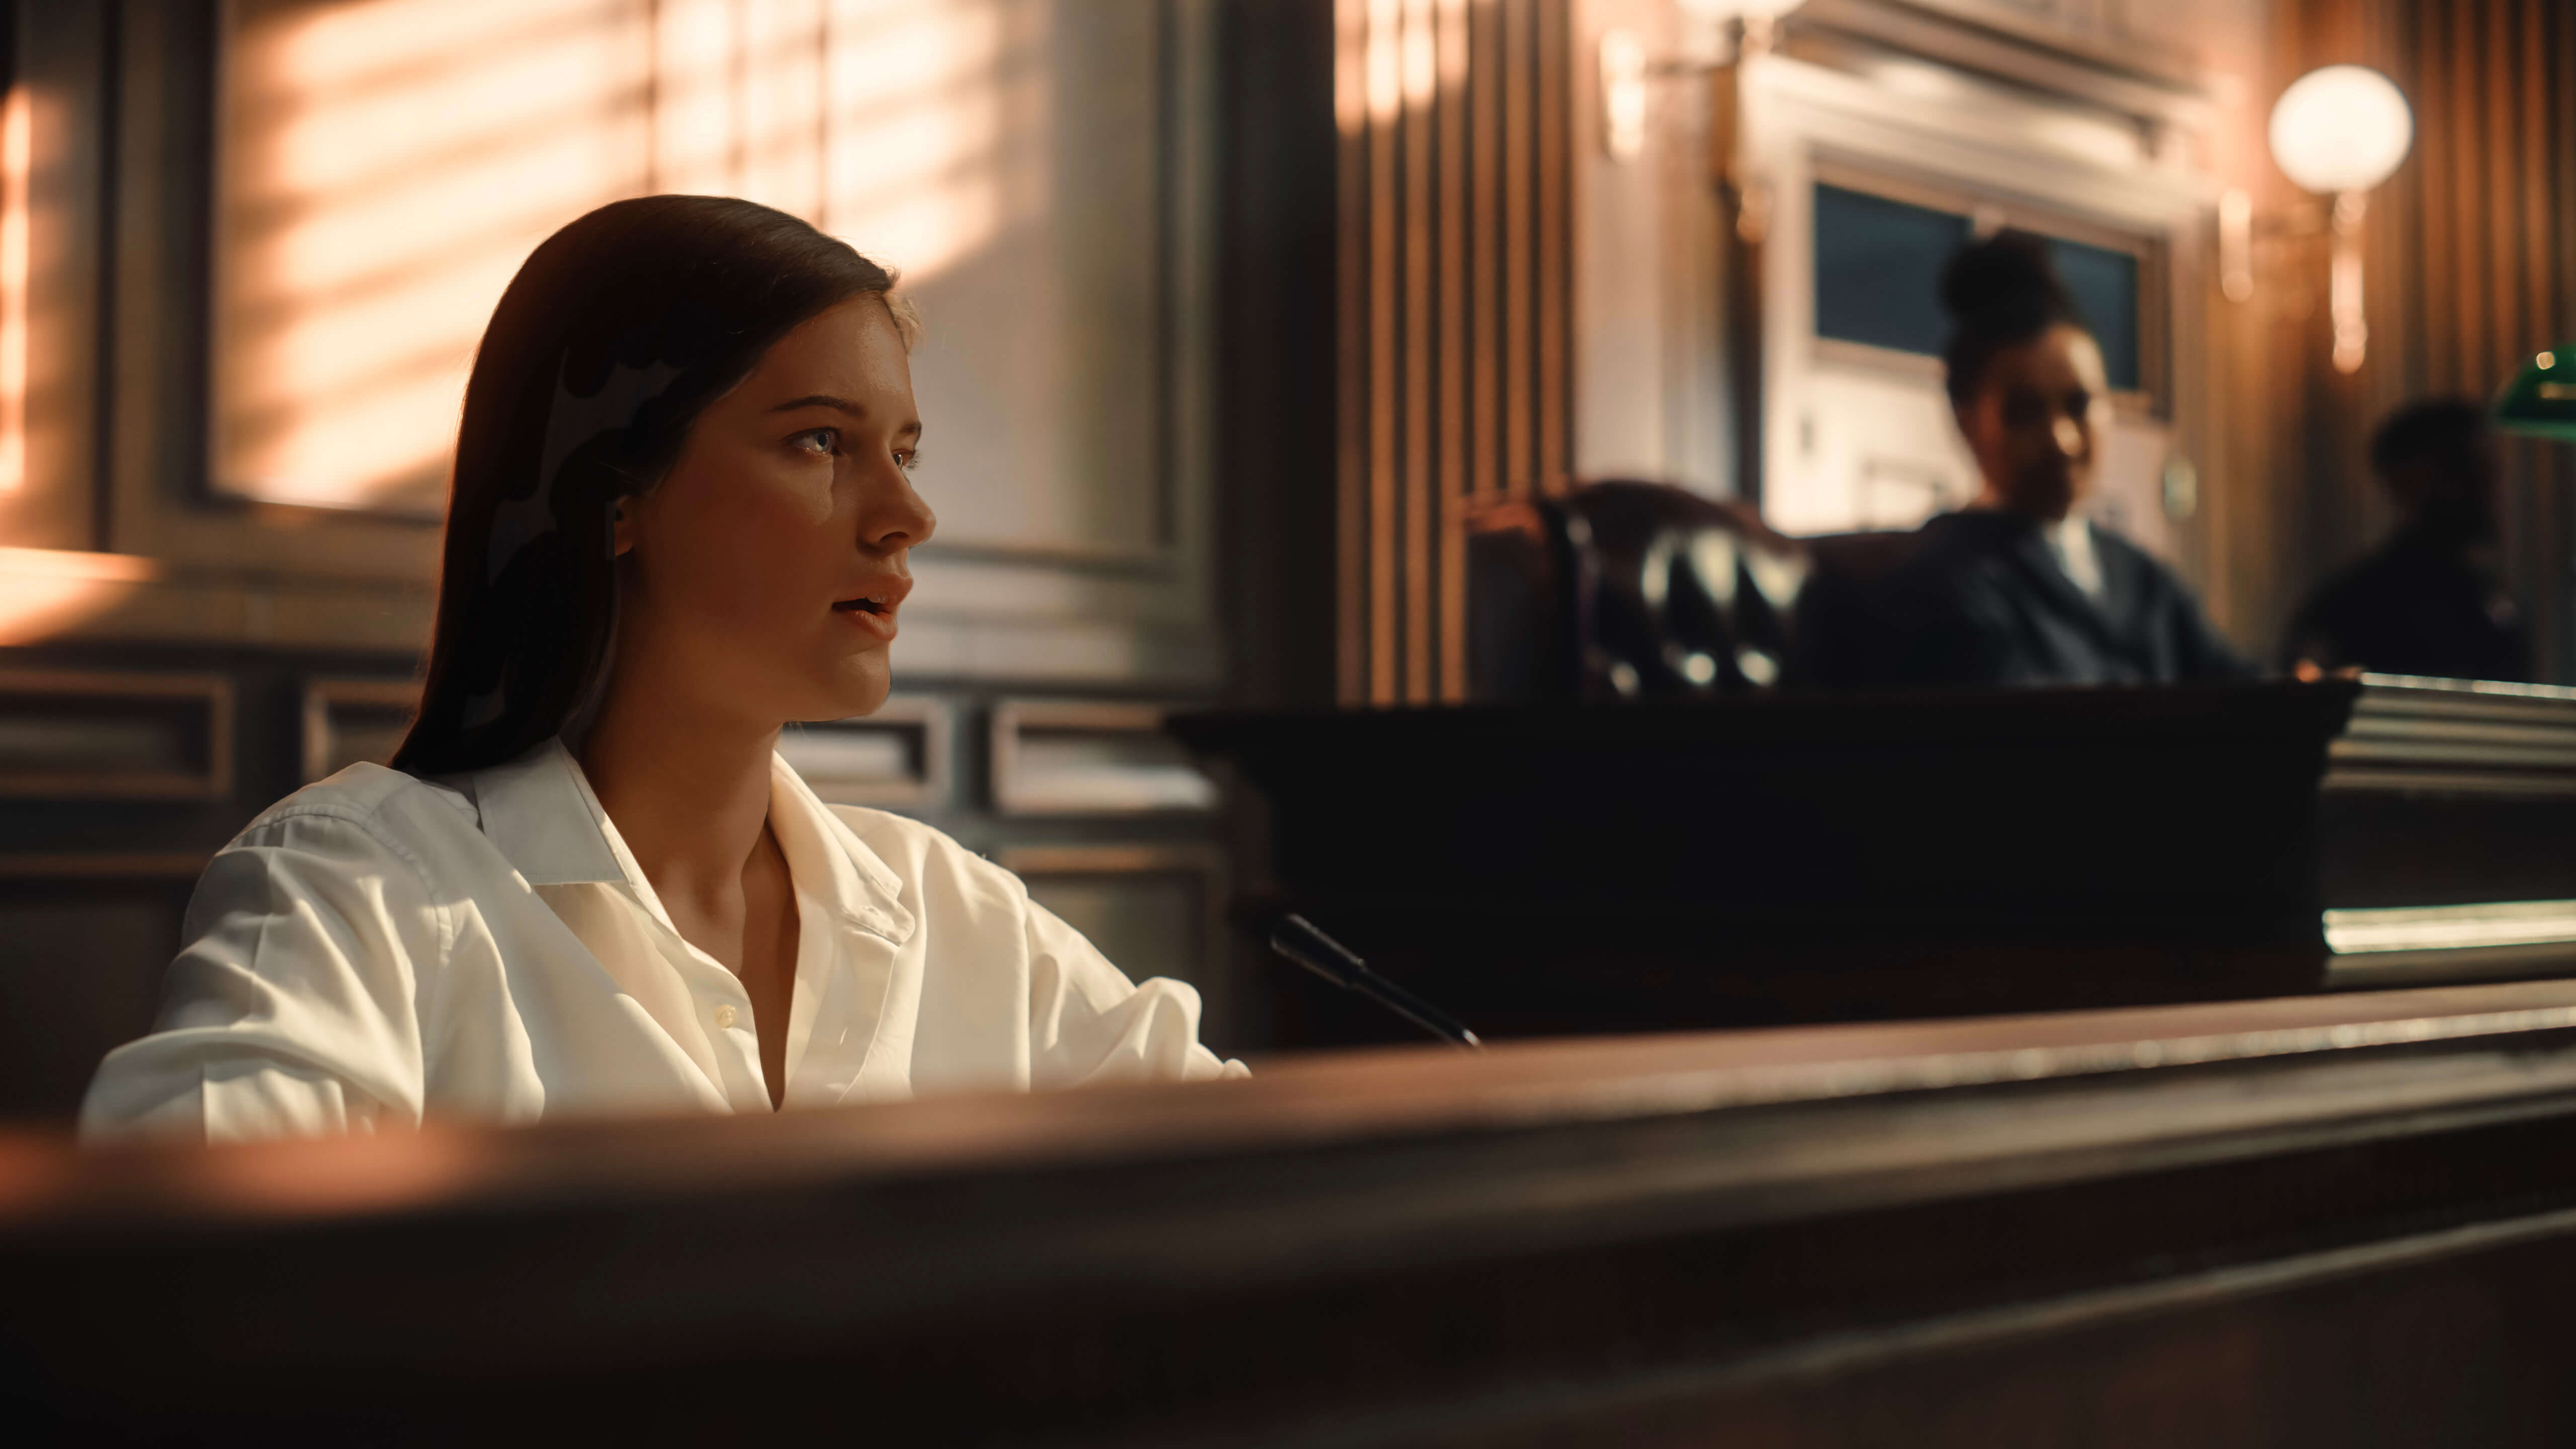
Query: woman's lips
(875, 616)
(872, 607)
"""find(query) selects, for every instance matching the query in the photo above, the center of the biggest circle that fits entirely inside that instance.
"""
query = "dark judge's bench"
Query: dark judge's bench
(2331, 1220)
(1553, 869)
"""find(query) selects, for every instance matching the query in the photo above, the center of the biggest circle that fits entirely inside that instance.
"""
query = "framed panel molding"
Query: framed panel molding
(353, 721)
(1085, 757)
(897, 758)
(158, 504)
(102, 736)
(96, 865)
(1110, 577)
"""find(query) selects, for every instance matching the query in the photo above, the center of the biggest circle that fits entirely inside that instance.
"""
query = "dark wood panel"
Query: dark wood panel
(2336, 1221)
(115, 735)
(86, 942)
(1545, 870)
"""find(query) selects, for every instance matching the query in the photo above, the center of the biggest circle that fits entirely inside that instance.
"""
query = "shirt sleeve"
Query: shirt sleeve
(1089, 1023)
(292, 1007)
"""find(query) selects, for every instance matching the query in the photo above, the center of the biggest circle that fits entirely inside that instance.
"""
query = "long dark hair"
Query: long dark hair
(2000, 293)
(616, 333)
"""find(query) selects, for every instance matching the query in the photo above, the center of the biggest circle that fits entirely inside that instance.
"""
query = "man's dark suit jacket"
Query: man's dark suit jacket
(2421, 604)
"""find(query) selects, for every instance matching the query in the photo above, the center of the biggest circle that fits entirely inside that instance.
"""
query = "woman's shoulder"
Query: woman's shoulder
(372, 800)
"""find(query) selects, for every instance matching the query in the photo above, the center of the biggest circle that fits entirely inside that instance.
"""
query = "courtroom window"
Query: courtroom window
(1878, 268)
(2105, 284)
(1878, 265)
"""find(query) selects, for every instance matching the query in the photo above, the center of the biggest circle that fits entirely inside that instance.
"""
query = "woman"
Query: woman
(681, 519)
(2018, 588)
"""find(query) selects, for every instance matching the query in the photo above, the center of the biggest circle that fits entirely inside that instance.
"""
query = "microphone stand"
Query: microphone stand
(1297, 938)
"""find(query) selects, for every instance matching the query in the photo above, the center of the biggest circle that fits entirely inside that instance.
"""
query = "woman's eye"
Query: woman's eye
(908, 460)
(821, 442)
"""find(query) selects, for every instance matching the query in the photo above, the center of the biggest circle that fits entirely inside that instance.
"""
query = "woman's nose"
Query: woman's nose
(904, 520)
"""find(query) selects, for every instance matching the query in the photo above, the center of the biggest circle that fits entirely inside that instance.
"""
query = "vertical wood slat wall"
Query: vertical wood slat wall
(1455, 226)
(2480, 233)
(2470, 267)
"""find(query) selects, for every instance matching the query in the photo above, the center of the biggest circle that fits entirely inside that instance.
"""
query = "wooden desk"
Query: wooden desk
(2345, 1220)
(1544, 871)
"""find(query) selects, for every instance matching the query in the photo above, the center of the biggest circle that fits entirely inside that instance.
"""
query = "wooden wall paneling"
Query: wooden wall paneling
(1283, 385)
(59, 88)
(2556, 178)
(2455, 154)
(1384, 82)
(2562, 179)
(2524, 48)
(2427, 192)
(1519, 205)
(898, 758)
(2469, 272)
(1452, 64)
(1089, 571)
(1456, 232)
(1421, 95)
(59, 866)
(1069, 602)
(2505, 153)
(1485, 101)
(1090, 757)
(84, 941)
(2470, 163)
(1354, 421)
(101, 735)
(167, 126)
(1554, 224)
(350, 721)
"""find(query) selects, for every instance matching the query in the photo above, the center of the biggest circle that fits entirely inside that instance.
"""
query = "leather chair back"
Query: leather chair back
(1628, 590)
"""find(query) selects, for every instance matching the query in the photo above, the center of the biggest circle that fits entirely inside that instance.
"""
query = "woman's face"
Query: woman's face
(2036, 422)
(763, 574)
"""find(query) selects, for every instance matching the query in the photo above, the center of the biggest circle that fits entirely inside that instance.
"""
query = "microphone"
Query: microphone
(1297, 938)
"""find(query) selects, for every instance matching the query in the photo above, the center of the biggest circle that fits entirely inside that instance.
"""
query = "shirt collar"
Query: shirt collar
(829, 860)
(539, 812)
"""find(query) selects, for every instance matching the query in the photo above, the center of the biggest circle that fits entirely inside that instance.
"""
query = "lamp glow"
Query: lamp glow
(2342, 128)
(1722, 10)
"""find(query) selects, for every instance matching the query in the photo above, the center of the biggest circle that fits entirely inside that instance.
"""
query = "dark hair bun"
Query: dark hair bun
(2000, 293)
(2009, 273)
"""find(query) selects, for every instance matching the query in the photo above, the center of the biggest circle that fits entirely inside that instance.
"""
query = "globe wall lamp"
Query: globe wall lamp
(1716, 34)
(2339, 132)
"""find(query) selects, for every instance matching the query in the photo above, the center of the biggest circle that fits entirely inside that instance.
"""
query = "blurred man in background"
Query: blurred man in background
(2431, 600)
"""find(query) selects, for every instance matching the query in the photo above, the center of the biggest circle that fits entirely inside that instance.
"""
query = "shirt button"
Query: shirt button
(724, 1016)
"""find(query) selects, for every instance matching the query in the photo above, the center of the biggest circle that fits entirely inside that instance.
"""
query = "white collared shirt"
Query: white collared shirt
(2070, 542)
(376, 949)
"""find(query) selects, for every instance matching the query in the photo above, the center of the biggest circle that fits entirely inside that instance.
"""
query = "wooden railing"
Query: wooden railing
(2345, 1219)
